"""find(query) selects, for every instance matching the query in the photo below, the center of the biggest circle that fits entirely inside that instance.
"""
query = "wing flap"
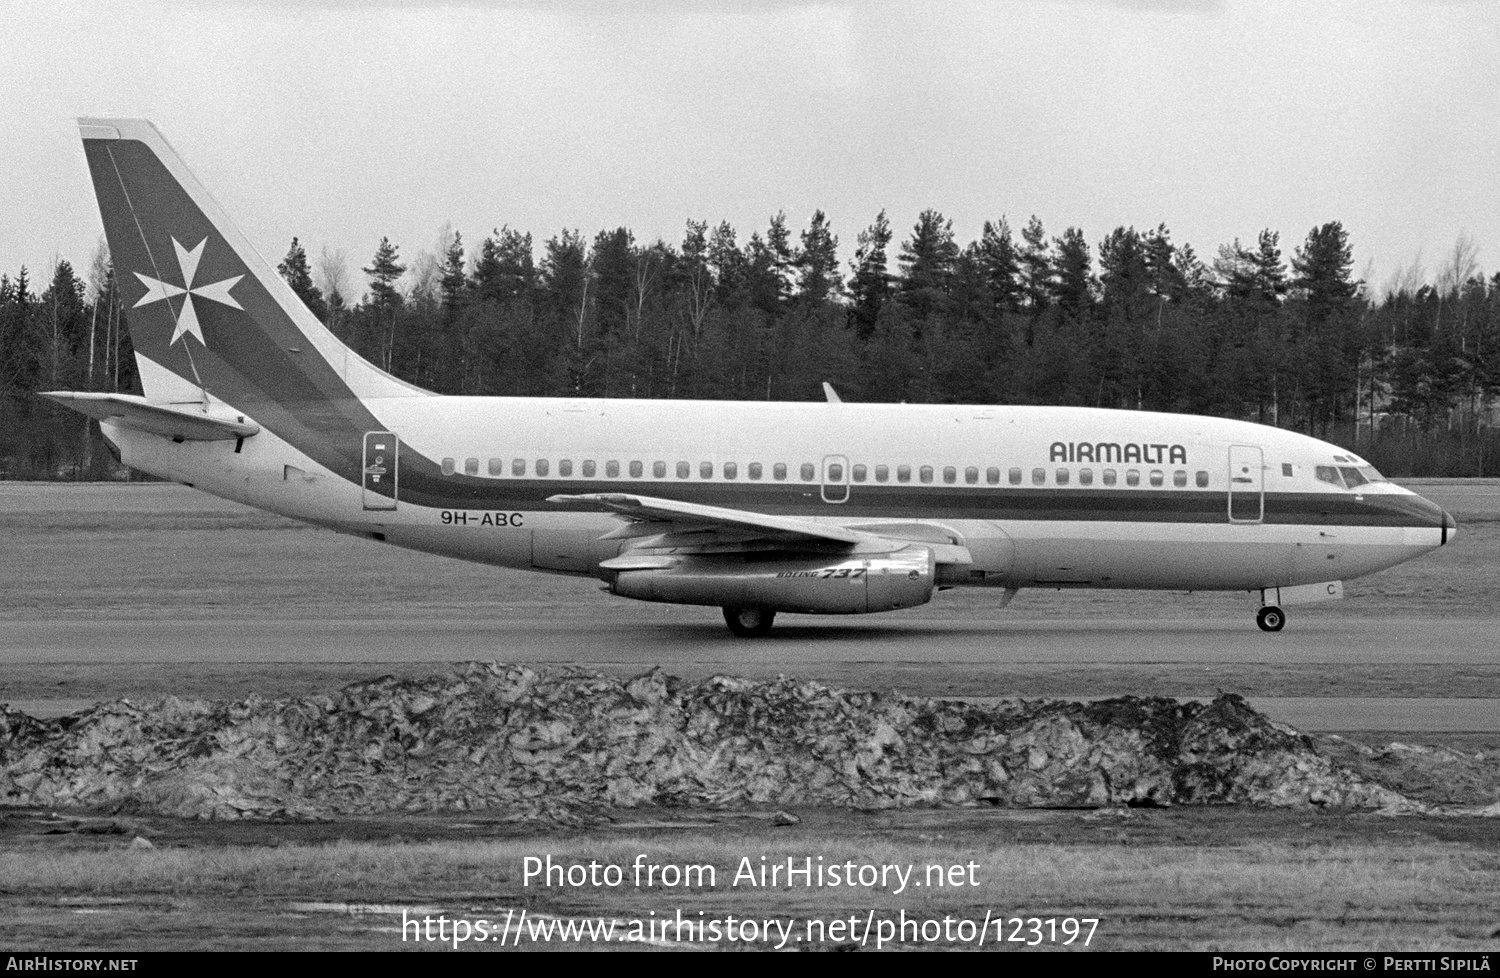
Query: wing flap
(176, 423)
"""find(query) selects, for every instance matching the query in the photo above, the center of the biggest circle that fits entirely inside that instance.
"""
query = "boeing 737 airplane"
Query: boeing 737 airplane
(816, 508)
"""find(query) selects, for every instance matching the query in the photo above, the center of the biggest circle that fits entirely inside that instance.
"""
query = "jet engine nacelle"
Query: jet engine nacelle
(819, 585)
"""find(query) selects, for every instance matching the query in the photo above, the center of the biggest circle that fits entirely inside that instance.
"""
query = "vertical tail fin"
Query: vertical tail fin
(209, 317)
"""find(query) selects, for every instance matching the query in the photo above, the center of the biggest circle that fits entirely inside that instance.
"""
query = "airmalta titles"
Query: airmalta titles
(1110, 451)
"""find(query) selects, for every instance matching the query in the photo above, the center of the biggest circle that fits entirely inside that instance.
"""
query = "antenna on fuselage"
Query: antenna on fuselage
(831, 394)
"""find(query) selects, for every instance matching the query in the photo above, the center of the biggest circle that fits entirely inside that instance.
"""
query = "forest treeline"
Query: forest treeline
(1134, 321)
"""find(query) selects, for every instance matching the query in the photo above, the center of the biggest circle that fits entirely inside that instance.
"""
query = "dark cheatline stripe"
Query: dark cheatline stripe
(423, 484)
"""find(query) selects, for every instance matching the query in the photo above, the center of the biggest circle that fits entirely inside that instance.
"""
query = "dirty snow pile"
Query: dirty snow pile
(568, 744)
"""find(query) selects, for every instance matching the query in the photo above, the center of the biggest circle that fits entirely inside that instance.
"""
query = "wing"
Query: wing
(649, 516)
(667, 523)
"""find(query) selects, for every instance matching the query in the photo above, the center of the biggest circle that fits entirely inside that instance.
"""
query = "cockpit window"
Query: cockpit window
(1329, 474)
(1347, 476)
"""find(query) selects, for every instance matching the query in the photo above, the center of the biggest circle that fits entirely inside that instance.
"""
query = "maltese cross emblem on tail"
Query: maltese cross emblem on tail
(187, 319)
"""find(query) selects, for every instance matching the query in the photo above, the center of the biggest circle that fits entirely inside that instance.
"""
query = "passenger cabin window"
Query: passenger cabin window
(1132, 477)
(992, 475)
(1085, 477)
(588, 469)
(903, 473)
(1179, 479)
(835, 472)
(950, 474)
(659, 469)
(925, 473)
(882, 473)
(1062, 477)
(1015, 477)
(448, 466)
(1156, 477)
(778, 471)
(541, 466)
(809, 472)
(636, 469)
(565, 467)
(971, 476)
(1109, 477)
(518, 466)
(471, 466)
(858, 472)
(731, 470)
(755, 470)
(684, 470)
(612, 469)
(705, 470)
(1039, 477)
(1202, 479)
(497, 466)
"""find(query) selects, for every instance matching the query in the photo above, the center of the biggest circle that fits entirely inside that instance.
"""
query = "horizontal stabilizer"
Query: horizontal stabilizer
(177, 423)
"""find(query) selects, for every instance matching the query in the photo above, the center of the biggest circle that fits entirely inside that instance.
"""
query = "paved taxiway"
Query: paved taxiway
(962, 658)
(1330, 669)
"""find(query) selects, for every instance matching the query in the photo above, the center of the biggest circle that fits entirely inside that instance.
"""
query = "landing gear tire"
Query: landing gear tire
(1270, 618)
(749, 622)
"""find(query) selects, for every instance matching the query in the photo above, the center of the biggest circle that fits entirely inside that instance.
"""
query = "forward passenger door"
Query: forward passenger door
(1246, 484)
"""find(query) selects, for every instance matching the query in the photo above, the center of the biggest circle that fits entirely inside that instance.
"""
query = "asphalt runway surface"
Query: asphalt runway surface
(1326, 671)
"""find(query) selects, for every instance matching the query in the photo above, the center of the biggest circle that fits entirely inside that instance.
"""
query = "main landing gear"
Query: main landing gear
(749, 622)
(1270, 618)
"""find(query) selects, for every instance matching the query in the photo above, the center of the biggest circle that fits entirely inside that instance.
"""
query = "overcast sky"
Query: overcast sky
(342, 121)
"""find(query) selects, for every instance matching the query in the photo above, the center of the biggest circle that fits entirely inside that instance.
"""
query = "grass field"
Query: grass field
(1218, 879)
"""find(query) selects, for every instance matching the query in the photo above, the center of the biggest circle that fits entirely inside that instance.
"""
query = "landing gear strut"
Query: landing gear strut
(1270, 618)
(749, 622)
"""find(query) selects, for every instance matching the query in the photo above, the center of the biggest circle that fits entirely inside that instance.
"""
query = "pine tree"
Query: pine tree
(385, 301)
(818, 262)
(927, 260)
(505, 268)
(1002, 265)
(778, 245)
(764, 285)
(294, 269)
(727, 263)
(1073, 287)
(384, 270)
(870, 283)
(1036, 267)
(1323, 265)
(1124, 274)
(612, 263)
(454, 284)
(1330, 344)
(1167, 280)
(1270, 273)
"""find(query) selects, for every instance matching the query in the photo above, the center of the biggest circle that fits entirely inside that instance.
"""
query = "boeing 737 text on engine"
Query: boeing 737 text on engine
(819, 508)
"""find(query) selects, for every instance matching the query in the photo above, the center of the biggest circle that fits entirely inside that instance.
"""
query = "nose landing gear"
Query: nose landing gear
(1270, 618)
